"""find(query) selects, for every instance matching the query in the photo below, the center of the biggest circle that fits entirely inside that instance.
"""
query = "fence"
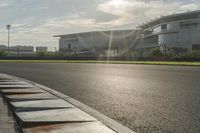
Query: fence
(124, 58)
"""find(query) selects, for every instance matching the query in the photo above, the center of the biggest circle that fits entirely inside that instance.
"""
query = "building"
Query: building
(41, 49)
(3, 48)
(99, 42)
(178, 31)
(21, 49)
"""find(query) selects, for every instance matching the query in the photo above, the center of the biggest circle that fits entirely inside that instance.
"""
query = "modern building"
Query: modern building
(100, 42)
(177, 30)
(180, 30)
(41, 49)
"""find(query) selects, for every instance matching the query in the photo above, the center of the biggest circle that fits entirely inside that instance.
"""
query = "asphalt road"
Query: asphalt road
(145, 98)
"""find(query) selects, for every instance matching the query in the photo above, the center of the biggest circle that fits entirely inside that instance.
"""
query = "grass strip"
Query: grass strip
(108, 62)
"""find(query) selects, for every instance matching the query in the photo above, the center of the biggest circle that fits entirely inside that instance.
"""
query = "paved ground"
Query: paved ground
(38, 111)
(6, 120)
(163, 99)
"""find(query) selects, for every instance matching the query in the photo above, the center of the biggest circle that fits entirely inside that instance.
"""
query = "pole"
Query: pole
(18, 51)
(55, 51)
(8, 28)
(75, 50)
(8, 41)
(69, 48)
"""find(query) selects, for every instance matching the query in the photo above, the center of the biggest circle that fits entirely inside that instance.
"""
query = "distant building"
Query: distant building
(21, 49)
(178, 30)
(117, 42)
(41, 49)
(3, 47)
(173, 31)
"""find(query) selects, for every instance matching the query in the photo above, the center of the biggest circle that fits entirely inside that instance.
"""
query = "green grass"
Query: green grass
(109, 62)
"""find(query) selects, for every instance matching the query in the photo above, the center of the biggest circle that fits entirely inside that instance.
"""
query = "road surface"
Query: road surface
(145, 98)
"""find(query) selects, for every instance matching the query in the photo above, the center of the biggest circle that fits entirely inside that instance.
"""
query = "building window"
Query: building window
(148, 32)
(156, 30)
(189, 25)
(164, 27)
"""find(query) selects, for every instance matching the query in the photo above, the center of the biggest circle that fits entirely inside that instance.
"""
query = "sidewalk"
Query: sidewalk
(38, 109)
(7, 125)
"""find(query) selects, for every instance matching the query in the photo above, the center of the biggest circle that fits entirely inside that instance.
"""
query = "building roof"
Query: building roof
(173, 17)
(92, 32)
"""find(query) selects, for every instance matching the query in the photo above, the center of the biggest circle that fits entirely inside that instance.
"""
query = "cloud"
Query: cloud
(117, 9)
(143, 10)
(3, 4)
(34, 22)
(75, 23)
(191, 6)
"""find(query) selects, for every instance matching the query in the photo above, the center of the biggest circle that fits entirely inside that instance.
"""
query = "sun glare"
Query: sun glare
(119, 3)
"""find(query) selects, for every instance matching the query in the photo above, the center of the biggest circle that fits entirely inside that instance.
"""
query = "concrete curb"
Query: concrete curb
(99, 116)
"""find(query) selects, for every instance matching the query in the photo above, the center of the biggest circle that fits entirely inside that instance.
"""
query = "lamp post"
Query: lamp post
(8, 28)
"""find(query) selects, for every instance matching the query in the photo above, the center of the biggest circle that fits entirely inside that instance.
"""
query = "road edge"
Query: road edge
(116, 126)
(162, 63)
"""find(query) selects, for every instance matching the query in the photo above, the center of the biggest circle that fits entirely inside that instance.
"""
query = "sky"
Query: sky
(34, 22)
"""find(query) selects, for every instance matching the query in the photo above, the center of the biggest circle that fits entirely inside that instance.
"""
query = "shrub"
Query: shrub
(156, 52)
(3, 53)
(42, 53)
(194, 54)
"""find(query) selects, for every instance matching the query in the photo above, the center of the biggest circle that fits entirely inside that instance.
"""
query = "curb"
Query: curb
(119, 128)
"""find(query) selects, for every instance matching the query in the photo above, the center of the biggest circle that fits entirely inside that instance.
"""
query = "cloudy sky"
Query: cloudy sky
(34, 22)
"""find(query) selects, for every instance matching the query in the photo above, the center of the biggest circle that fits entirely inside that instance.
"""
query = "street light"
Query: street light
(8, 28)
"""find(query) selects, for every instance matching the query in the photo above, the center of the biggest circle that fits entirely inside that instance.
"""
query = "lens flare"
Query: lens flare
(118, 3)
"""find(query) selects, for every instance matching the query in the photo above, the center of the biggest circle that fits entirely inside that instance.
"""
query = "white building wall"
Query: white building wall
(173, 26)
(170, 40)
(189, 37)
(177, 36)
(97, 40)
